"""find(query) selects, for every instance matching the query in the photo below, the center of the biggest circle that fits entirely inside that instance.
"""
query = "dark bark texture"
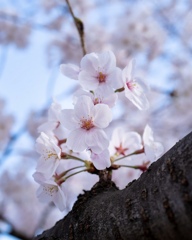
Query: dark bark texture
(156, 206)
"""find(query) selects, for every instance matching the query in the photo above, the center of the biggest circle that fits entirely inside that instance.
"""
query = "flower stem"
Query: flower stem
(65, 172)
(143, 167)
(128, 166)
(84, 170)
(134, 153)
(123, 157)
(75, 158)
(69, 157)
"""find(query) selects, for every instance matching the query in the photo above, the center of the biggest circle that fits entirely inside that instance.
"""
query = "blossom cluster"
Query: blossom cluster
(77, 140)
(142, 33)
(12, 33)
(6, 123)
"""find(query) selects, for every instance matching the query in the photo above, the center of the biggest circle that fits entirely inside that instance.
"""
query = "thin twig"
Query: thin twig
(80, 27)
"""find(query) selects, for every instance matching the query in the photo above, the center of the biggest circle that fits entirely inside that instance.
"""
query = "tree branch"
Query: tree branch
(156, 206)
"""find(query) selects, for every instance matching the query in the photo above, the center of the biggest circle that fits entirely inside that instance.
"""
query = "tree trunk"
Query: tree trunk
(156, 206)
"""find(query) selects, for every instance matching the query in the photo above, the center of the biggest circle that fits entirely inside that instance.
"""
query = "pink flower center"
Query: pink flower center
(131, 85)
(97, 101)
(101, 77)
(121, 150)
(87, 124)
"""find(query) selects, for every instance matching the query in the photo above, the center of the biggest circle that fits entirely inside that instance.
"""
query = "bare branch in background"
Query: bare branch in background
(80, 27)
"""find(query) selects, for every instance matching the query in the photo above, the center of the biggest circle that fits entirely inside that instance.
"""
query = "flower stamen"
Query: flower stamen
(50, 190)
(101, 77)
(87, 124)
(131, 85)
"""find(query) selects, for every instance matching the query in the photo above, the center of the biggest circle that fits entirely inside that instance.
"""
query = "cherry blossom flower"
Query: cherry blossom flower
(152, 149)
(86, 123)
(99, 69)
(100, 95)
(124, 143)
(134, 88)
(52, 126)
(50, 190)
(50, 154)
(53, 118)
(88, 128)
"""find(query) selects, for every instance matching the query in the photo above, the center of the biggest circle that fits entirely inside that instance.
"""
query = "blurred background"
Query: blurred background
(37, 36)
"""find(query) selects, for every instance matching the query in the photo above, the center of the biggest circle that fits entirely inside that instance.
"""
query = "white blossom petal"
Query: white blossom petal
(124, 142)
(50, 154)
(102, 115)
(84, 107)
(42, 195)
(39, 177)
(96, 139)
(88, 81)
(148, 135)
(80, 93)
(47, 126)
(107, 61)
(47, 145)
(90, 62)
(153, 149)
(114, 79)
(76, 140)
(101, 161)
(137, 97)
(132, 141)
(54, 111)
(47, 166)
(49, 191)
(127, 71)
(60, 200)
(67, 119)
(105, 95)
(134, 89)
(70, 70)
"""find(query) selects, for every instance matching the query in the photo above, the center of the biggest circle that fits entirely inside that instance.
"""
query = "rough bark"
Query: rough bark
(156, 206)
